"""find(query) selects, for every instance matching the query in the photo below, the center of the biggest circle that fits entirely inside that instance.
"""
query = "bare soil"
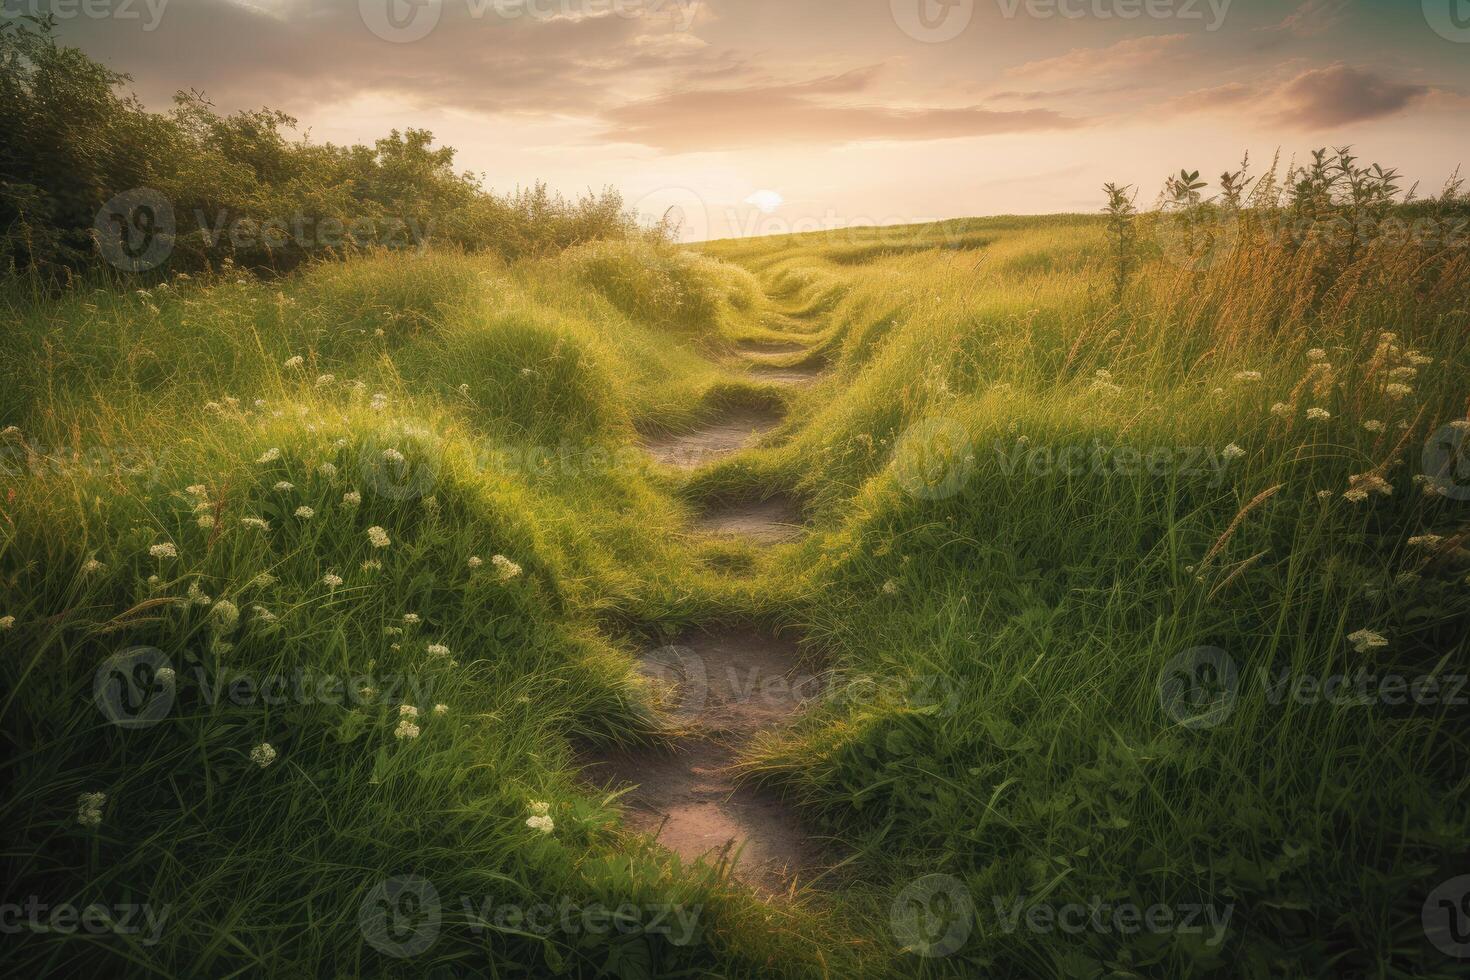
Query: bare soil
(773, 521)
(691, 450)
(723, 689)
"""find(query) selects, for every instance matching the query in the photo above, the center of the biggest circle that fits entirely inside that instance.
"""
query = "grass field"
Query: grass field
(1142, 615)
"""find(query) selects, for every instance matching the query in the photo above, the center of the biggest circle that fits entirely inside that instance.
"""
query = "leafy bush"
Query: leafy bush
(85, 168)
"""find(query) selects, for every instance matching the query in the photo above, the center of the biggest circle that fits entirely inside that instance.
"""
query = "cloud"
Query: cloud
(302, 54)
(804, 112)
(1227, 96)
(1310, 19)
(1132, 55)
(1338, 94)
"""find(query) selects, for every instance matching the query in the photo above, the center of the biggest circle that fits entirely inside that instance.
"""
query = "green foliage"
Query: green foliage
(239, 189)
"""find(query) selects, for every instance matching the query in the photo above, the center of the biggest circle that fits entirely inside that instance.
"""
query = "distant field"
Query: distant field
(1143, 604)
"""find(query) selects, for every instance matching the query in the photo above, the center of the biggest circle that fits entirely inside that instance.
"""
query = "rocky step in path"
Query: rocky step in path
(776, 520)
(691, 450)
(724, 688)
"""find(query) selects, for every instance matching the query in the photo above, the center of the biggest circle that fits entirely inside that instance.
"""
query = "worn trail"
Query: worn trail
(721, 688)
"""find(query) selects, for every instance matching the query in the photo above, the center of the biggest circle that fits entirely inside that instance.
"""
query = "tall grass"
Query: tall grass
(1032, 494)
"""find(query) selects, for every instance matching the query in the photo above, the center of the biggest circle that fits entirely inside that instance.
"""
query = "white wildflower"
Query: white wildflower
(438, 650)
(292, 363)
(406, 729)
(1397, 391)
(92, 566)
(256, 522)
(225, 615)
(89, 808)
(305, 513)
(475, 561)
(412, 619)
(377, 537)
(1319, 414)
(196, 595)
(1232, 451)
(351, 498)
(1364, 641)
(544, 824)
(372, 565)
(1425, 541)
(332, 580)
(505, 569)
(269, 456)
(1316, 354)
(1248, 376)
(441, 709)
(6, 622)
(1373, 425)
(263, 754)
(327, 470)
(285, 486)
(164, 550)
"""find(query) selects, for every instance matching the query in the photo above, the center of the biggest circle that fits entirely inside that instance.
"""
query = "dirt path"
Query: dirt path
(722, 689)
(691, 450)
(773, 521)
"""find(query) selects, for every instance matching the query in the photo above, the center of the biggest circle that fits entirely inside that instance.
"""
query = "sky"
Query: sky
(767, 116)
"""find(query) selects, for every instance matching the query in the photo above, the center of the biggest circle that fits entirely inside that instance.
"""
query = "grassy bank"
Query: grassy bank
(1034, 501)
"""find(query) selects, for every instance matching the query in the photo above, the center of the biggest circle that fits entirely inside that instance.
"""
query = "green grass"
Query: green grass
(1013, 616)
